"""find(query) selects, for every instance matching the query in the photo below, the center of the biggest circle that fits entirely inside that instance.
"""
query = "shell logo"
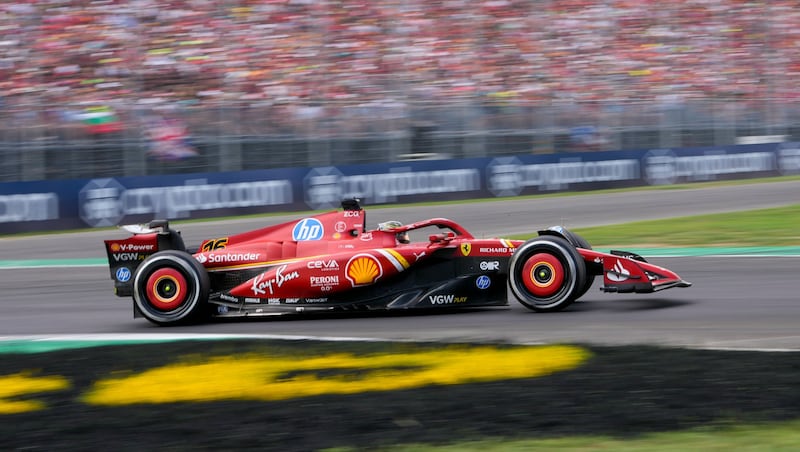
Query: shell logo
(363, 269)
(115, 247)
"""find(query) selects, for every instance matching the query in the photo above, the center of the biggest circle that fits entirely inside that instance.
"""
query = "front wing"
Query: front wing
(625, 272)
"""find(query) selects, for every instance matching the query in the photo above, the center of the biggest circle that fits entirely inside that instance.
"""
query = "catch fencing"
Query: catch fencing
(55, 142)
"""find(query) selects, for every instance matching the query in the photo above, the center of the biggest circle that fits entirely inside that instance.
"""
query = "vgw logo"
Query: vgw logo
(308, 229)
(446, 299)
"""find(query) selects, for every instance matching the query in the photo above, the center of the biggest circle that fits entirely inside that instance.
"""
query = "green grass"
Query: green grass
(776, 437)
(765, 227)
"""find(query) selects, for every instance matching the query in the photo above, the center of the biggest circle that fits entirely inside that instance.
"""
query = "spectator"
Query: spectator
(169, 139)
(300, 52)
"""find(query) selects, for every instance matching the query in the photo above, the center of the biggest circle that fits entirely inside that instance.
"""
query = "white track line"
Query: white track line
(168, 337)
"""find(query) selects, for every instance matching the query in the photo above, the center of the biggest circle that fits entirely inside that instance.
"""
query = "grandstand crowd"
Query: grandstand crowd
(536, 51)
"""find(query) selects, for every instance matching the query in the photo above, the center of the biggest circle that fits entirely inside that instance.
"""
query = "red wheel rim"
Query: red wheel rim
(166, 289)
(543, 275)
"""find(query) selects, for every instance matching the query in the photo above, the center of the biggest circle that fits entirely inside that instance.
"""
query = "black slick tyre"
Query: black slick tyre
(546, 274)
(171, 288)
(580, 242)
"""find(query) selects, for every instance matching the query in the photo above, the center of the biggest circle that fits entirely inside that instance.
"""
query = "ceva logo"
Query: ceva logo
(308, 229)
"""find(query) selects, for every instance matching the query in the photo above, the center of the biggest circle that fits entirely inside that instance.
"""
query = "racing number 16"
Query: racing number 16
(215, 244)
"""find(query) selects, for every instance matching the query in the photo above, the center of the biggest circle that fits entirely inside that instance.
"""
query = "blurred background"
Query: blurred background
(110, 88)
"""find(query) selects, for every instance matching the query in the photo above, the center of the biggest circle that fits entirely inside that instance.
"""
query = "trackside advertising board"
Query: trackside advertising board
(81, 203)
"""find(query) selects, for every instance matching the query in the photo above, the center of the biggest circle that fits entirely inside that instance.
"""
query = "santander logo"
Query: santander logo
(226, 258)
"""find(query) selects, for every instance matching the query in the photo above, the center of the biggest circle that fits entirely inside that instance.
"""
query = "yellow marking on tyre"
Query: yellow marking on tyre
(268, 378)
(542, 275)
(167, 288)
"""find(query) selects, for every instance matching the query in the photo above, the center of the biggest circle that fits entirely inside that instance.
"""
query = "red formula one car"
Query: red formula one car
(332, 262)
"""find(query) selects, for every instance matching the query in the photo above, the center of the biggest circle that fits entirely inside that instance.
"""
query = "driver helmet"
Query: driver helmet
(402, 237)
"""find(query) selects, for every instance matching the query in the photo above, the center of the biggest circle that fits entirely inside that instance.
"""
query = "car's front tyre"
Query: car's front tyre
(171, 287)
(546, 274)
(581, 242)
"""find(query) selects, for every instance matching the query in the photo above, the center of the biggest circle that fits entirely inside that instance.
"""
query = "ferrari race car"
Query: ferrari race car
(333, 262)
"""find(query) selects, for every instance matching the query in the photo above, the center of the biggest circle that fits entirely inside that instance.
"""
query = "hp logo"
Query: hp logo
(123, 274)
(483, 282)
(308, 229)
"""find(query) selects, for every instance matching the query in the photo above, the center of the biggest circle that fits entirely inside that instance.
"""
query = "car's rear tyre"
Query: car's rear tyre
(546, 274)
(171, 287)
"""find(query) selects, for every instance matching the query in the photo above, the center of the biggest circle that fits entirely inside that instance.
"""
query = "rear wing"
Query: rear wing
(125, 255)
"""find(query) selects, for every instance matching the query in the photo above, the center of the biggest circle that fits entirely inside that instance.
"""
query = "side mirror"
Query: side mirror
(445, 237)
